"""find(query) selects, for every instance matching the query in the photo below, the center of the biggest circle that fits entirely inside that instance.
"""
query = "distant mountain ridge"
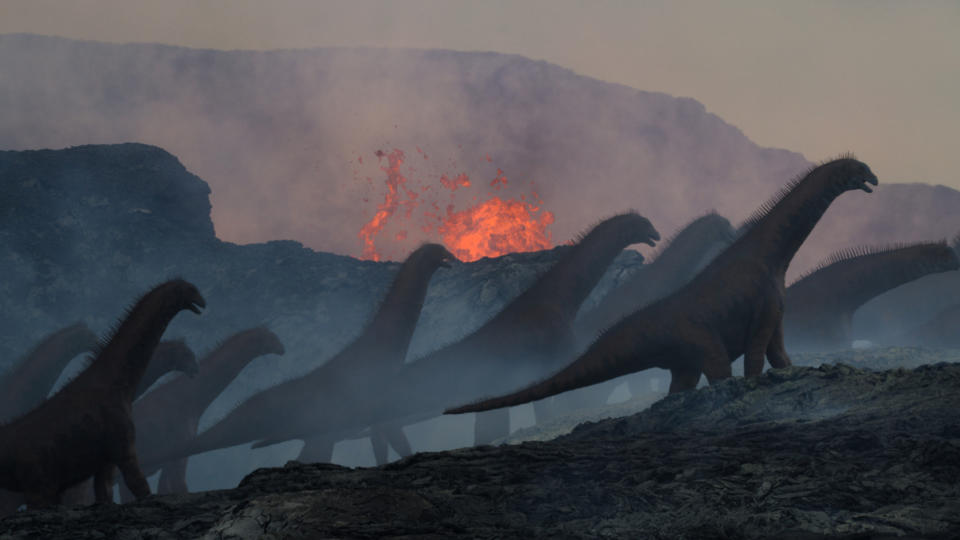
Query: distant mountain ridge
(277, 135)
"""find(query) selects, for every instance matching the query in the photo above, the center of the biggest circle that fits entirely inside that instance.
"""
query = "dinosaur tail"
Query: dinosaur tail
(614, 354)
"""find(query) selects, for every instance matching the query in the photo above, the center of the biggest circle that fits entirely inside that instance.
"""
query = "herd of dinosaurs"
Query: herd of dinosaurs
(711, 294)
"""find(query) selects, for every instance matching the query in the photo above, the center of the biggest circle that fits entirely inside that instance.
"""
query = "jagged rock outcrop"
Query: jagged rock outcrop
(800, 453)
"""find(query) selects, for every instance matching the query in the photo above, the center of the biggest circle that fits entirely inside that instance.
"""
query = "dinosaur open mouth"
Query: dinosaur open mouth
(196, 305)
(868, 180)
(652, 239)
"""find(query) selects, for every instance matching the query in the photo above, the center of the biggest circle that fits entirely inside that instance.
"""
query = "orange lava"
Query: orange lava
(496, 227)
(488, 228)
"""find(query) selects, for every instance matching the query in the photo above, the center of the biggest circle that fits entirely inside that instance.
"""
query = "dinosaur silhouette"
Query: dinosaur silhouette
(733, 307)
(375, 354)
(819, 306)
(86, 428)
(677, 260)
(168, 415)
(535, 331)
(170, 355)
(30, 381)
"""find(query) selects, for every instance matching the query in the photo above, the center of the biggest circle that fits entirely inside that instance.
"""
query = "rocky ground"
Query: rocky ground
(805, 452)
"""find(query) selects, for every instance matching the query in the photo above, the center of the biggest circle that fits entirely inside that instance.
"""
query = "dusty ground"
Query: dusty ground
(829, 452)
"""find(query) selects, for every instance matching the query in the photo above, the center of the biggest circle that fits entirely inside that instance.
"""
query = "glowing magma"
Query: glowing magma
(489, 228)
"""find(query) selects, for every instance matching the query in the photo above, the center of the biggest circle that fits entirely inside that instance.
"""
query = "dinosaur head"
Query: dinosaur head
(181, 294)
(262, 341)
(175, 355)
(434, 256)
(638, 229)
(850, 174)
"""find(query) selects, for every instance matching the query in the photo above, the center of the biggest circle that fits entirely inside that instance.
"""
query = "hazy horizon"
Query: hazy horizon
(874, 78)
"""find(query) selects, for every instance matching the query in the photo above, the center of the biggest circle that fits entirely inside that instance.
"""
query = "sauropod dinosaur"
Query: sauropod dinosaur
(819, 306)
(332, 387)
(525, 340)
(86, 428)
(168, 356)
(168, 415)
(733, 306)
(29, 382)
(675, 262)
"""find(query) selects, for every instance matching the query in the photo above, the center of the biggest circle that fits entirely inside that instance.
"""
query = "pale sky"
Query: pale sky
(879, 78)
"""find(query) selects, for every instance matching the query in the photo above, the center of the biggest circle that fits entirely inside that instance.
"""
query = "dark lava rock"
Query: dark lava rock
(802, 452)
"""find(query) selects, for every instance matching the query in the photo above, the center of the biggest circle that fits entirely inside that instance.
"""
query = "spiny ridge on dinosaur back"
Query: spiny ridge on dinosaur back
(29, 382)
(168, 415)
(733, 307)
(86, 428)
(820, 305)
(289, 410)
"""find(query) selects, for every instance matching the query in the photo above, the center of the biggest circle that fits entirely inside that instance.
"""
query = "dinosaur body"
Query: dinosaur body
(818, 314)
(30, 381)
(86, 428)
(733, 307)
(329, 389)
(525, 340)
(168, 415)
(677, 261)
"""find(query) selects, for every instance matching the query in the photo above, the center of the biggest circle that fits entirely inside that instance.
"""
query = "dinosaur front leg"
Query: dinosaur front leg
(133, 476)
(682, 379)
(317, 450)
(776, 353)
(398, 439)
(103, 484)
(378, 440)
(173, 477)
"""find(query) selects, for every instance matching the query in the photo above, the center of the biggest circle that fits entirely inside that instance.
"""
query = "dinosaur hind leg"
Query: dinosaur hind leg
(103, 484)
(378, 440)
(398, 440)
(776, 353)
(133, 476)
(683, 379)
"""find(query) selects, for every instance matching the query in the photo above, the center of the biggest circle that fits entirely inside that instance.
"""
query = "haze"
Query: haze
(876, 78)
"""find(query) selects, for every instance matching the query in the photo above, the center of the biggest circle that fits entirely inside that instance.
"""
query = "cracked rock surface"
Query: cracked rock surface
(802, 452)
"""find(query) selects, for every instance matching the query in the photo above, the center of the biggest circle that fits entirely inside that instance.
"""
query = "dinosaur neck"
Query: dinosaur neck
(30, 382)
(217, 370)
(781, 231)
(568, 282)
(394, 323)
(129, 350)
(848, 284)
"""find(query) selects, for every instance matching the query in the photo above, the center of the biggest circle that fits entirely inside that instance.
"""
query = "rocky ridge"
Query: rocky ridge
(804, 452)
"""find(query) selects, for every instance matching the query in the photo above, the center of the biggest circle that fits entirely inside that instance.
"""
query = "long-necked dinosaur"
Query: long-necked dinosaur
(168, 415)
(819, 306)
(28, 383)
(169, 356)
(537, 326)
(733, 307)
(677, 260)
(86, 428)
(331, 388)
